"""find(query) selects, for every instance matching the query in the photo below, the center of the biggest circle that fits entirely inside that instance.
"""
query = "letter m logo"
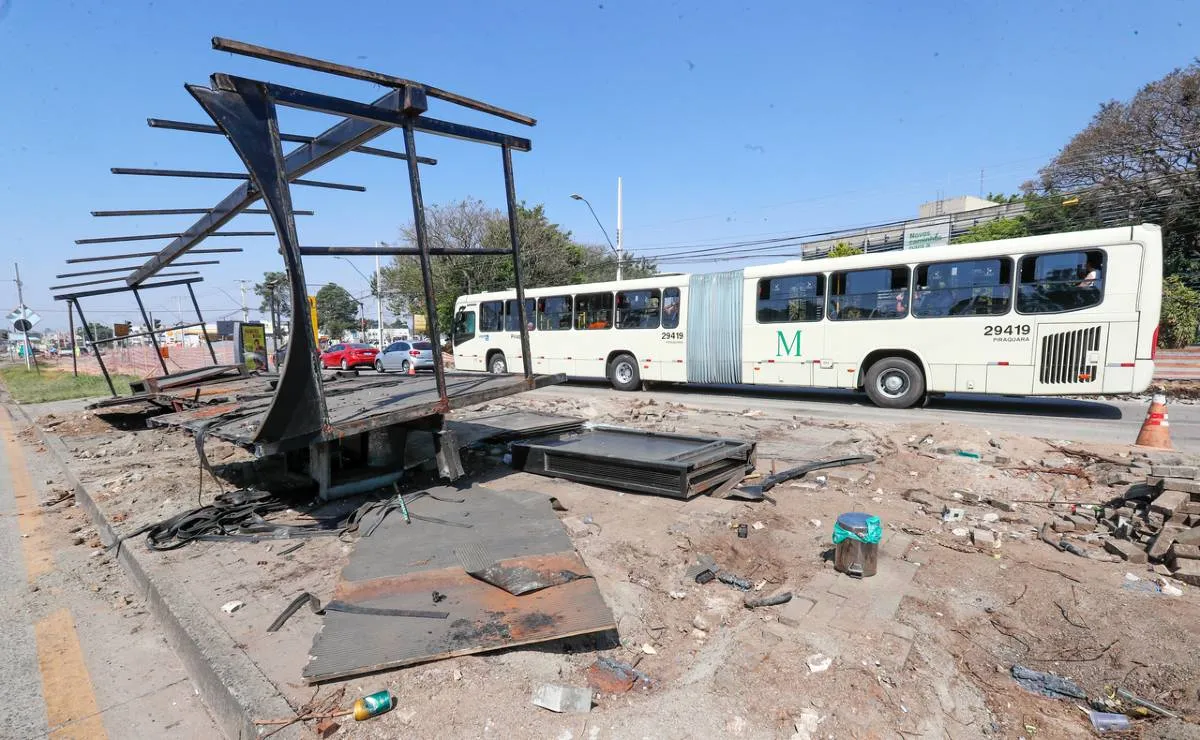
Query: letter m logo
(782, 347)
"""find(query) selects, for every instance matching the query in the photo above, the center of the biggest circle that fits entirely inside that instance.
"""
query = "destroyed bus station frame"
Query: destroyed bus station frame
(245, 112)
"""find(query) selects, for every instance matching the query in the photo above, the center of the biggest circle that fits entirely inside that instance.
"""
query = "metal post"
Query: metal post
(379, 301)
(274, 323)
(87, 332)
(71, 327)
(203, 327)
(245, 309)
(510, 191)
(620, 242)
(150, 328)
(21, 300)
(414, 184)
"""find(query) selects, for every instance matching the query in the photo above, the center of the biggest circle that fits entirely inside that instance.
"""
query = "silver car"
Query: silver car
(404, 355)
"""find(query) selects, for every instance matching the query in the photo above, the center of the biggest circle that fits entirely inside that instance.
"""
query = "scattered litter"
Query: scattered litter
(563, 698)
(960, 531)
(737, 582)
(743, 531)
(374, 705)
(759, 525)
(969, 455)
(814, 523)
(230, 607)
(818, 663)
(290, 549)
(705, 576)
(610, 676)
(648, 649)
(951, 514)
(1107, 721)
(1169, 588)
(754, 602)
(677, 594)
(1047, 684)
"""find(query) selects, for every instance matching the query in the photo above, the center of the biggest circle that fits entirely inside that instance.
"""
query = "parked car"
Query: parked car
(347, 355)
(403, 355)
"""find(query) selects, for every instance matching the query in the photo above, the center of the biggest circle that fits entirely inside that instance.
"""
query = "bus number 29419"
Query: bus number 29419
(997, 330)
(672, 335)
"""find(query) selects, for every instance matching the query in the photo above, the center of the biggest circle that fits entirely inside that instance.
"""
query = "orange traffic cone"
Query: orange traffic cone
(1155, 429)
(412, 369)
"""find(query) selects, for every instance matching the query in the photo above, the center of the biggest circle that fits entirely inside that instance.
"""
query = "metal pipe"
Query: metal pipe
(392, 251)
(203, 327)
(125, 289)
(136, 335)
(71, 328)
(153, 335)
(118, 279)
(184, 211)
(207, 175)
(102, 258)
(201, 128)
(414, 184)
(87, 332)
(149, 237)
(319, 65)
(130, 267)
(510, 192)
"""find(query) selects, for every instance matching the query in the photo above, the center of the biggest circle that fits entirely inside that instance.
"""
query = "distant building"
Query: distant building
(937, 222)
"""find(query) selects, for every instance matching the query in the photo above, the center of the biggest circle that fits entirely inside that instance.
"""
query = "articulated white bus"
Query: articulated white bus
(1068, 314)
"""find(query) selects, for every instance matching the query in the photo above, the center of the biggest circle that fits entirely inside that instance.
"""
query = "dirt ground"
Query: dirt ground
(923, 649)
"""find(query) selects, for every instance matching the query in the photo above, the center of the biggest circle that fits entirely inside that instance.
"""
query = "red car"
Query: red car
(347, 356)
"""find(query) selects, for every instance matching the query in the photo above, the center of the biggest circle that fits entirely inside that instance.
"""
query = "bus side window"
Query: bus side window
(554, 313)
(491, 316)
(670, 308)
(1060, 281)
(874, 293)
(594, 311)
(637, 309)
(512, 318)
(790, 298)
(980, 287)
(464, 327)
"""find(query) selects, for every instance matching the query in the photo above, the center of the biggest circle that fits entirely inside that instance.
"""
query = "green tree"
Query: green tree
(1180, 314)
(843, 249)
(337, 311)
(275, 286)
(99, 332)
(1001, 228)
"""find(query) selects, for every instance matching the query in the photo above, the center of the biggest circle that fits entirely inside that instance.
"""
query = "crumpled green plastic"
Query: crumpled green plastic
(873, 535)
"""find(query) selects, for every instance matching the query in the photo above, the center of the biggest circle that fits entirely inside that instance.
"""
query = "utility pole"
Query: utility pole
(379, 297)
(245, 308)
(21, 300)
(620, 231)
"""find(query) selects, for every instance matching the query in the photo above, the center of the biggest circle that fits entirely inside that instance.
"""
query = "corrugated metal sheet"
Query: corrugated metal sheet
(714, 328)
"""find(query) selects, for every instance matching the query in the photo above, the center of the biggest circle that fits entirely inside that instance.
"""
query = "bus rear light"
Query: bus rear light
(1154, 343)
(1085, 376)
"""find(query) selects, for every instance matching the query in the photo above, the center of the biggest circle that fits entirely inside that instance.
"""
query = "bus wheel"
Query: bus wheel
(895, 383)
(623, 373)
(498, 365)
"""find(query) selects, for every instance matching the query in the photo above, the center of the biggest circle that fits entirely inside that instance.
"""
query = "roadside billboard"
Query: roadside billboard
(252, 346)
(920, 236)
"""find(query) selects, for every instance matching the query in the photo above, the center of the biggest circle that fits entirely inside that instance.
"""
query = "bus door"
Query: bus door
(512, 327)
(552, 349)
(465, 338)
(491, 330)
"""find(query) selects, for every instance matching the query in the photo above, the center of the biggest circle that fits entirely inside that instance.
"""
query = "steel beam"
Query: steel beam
(118, 279)
(139, 334)
(208, 175)
(510, 193)
(366, 75)
(393, 251)
(304, 100)
(153, 335)
(124, 289)
(201, 128)
(325, 147)
(196, 305)
(102, 258)
(87, 332)
(151, 237)
(182, 212)
(127, 268)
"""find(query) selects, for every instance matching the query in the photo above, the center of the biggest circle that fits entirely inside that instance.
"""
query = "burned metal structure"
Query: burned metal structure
(299, 409)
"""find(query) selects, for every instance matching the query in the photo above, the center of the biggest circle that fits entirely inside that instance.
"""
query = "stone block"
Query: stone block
(1001, 504)
(1174, 471)
(983, 538)
(1126, 549)
(1178, 484)
(1063, 525)
(793, 612)
(563, 698)
(1168, 502)
(1188, 571)
(1184, 552)
(1161, 544)
(1189, 536)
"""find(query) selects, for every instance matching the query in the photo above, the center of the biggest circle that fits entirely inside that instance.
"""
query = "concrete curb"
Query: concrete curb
(232, 687)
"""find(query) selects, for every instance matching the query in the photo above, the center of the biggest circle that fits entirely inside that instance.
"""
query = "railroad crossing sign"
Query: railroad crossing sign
(23, 319)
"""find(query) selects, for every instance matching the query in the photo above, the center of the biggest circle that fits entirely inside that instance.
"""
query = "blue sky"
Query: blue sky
(727, 120)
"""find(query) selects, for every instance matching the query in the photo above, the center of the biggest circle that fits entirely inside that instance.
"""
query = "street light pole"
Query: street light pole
(616, 250)
(379, 297)
(620, 248)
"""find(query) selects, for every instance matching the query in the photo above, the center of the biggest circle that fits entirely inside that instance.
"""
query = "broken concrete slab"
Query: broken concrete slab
(1184, 552)
(1174, 471)
(1189, 536)
(563, 698)
(1187, 571)
(984, 538)
(1126, 549)
(1162, 542)
(1168, 502)
(1175, 484)
(795, 610)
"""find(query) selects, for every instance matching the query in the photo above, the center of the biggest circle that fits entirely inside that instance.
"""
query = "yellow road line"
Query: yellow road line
(39, 558)
(66, 687)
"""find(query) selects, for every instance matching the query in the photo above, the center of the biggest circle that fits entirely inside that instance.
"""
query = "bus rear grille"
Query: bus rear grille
(1064, 356)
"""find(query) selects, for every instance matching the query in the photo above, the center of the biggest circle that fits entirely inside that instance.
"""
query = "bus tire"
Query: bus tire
(497, 364)
(895, 383)
(623, 373)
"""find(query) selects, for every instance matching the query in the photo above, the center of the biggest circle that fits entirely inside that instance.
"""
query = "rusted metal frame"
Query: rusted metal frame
(510, 193)
(87, 332)
(124, 289)
(183, 211)
(130, 267)
(118, 279)
(153, 336)
(149, 237)
(247, 116)
(419, 230)
(332, 143)
(393, 251)
(204, 327)
(355, 73)
(201, 128)
(305, 100)
(143, 334)
(208, 175)
(105, 257)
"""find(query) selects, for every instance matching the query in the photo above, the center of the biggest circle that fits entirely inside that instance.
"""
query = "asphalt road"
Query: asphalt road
(80, 656)
(1116, 422)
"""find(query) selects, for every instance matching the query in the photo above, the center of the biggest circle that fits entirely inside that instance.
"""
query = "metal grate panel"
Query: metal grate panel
(1064, 357)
